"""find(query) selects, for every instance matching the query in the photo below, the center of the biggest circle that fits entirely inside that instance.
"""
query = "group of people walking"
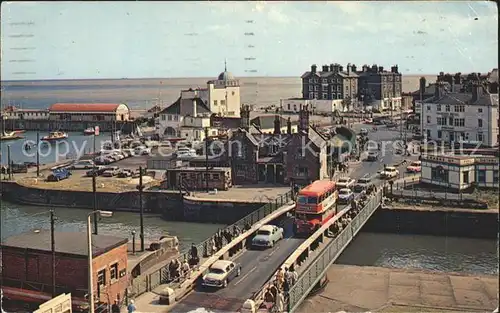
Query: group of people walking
(277, 292)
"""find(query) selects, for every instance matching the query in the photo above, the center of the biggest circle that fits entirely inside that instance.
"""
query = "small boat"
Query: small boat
(89, 131)
(55, 136)
(10, 136)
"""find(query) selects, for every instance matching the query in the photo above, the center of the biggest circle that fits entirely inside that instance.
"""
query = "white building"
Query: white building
(221, 97)
(317, 106)
(13, 113)
(460, 172)
(461, 117)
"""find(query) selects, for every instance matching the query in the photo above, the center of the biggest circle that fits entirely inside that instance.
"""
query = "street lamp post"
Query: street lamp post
(141, 207)
(133, 242)
(89, 251)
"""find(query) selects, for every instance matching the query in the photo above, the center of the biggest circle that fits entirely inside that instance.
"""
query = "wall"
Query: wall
(112, 288)
(214, 211)
(445, 222)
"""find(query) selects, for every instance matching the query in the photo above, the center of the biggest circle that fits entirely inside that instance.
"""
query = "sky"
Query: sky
(92, 40)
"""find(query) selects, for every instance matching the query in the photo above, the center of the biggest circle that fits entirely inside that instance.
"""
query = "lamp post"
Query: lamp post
(37, 154)
(133, 242)
(89, 251)
(140, 187)
(53, 250)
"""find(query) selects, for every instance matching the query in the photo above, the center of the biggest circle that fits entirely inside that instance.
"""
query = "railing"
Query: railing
(148, 282)
(319, 266)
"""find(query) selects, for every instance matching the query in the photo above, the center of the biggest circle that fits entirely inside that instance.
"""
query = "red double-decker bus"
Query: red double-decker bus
(316, 204)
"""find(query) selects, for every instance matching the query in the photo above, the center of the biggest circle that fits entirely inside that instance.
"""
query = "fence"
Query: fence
(148, 282)
(317, 269)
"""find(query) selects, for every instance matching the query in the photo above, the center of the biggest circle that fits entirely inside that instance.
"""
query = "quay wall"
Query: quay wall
(70, 126)
(169, 204)
(435, 221)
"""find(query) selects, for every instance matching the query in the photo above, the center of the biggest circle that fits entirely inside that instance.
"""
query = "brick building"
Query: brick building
(379, 88)
(332, 82)
(89, 112)
(27, 266)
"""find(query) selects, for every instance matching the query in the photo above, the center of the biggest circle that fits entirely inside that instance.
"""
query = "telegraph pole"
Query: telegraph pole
(53, 250)
(37, 154)
(94, 183)
(206, 158)
(9, 161)
(141, 206)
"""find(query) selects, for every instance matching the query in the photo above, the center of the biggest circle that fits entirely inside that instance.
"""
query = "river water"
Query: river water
(16, 219)
(443, 254)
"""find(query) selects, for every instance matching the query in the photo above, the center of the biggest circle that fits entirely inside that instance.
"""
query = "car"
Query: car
(83, 165)
(59, 174)
(345, 195)
(372, 156)
(103, 160)
(221, 273)
(389, 172)
(345, 182)
(363, 183)
(126, 172)
(267, 236)
(368, 120)
(110, 172)
(96, 171)
(363, 132)
(142, 150)
(414, 167)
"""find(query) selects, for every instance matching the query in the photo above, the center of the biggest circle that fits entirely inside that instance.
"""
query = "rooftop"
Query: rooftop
(74, 243)
(175, 108)
(84, 107)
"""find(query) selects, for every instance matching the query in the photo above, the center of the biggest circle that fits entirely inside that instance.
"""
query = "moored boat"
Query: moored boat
(10, 136)
(89, 131)
(55, 136)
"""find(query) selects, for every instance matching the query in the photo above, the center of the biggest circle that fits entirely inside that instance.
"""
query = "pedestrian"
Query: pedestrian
(280, 277)
(280, 302)
(185, 268)
(294, 276)
(274, 290)
(115, 308)
(131, 307)
(268, 298)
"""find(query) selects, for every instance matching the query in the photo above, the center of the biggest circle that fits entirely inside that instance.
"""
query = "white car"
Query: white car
(363, 132)
(345, 182)
(221, 273)
(389, 172)
(345, 195)
(142, 150)
(414, 167)
(267, 236)
(83, 165)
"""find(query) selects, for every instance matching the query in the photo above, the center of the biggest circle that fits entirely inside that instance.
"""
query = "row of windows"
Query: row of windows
(481, 176)
(205, 176)
(450, 121)
(334, 96)
(113, 275)
(462, 135)
(338, 80)
(456, 108)
(325, 88)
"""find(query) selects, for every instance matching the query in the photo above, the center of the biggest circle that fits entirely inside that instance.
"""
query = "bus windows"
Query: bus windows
(312, 200)
(302, 200)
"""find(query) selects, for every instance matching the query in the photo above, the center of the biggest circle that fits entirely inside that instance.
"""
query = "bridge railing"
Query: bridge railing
(162, 276)
(319, 266)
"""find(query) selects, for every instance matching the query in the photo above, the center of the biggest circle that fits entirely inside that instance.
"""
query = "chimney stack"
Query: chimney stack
(289, 126)
(313, 68)
(195, 113)
(439, 91)
(325, 68)
(394, 69)
(304, 119)
(353, 68)
(364, 68)
(380, 69)
(277, 125)
(336, 67)
(422, 86)
(332, 67)
(348, 68)
(477, 90)
(245, 117)
(374, 68)
(341, 68)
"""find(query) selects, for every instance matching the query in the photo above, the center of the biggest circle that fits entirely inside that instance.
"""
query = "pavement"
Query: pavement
(258, 193)
(377, 289)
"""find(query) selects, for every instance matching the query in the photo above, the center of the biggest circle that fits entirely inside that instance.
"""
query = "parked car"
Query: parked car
(97, 171)
(126, 172)
(103, 160)
(345, 182)
(267, 236)
(363, 183)
(389, 172)
(372, 156)
(142, 150)
(363, 132)
(59, 174)
(221, 273)
(83, 165)
(110, 172)
(414, 167)
(345, 195)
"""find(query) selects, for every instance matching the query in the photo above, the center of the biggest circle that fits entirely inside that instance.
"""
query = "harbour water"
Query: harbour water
(442, 254)
(17, 219)
(49, 153)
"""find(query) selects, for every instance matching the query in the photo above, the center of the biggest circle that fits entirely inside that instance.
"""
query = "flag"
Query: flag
(96, 131)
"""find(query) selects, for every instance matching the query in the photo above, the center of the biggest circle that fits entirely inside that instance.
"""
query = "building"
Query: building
(27, 266)
(331, 83)
(89, 112)
(317, 106)
(14, 113)
(380, 89)
(266, 124)
(195, 178)
(469, 118)
(460, 172)
(221, 98)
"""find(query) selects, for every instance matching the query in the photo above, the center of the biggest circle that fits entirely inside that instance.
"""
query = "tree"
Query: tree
(346, 103)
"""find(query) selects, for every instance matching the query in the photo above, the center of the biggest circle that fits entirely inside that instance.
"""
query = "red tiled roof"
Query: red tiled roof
(84, 107)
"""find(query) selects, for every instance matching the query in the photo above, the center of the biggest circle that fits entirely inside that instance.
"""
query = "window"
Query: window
(465, 177)
(223, 102)
(163, 117)
(439, 134)
(441, 120)
(215, 102)
(169, 117)
(459, 122)
(315, 88)
(324, 81)
(101, 277)
(311, 96)
(480, 110)
(113, 272)
(450, 121)
(310, 88)
(479, 123)
(289, 106)
(216, 176)
(481, 176)
(300, 153)
(459, 108)
(302, 171)
(439, 174)
(480, 137)
(495, 176)
(428, 108)
(325, 96)
(447, 108)
(428, 133)
(428, 119)
(325, 88)
(438, 107)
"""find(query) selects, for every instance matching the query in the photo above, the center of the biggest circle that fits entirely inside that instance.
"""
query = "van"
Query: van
(364, 183)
